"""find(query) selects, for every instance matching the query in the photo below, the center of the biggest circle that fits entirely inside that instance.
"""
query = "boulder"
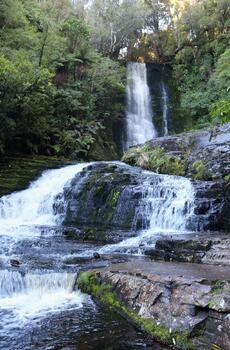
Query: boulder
(214, 250)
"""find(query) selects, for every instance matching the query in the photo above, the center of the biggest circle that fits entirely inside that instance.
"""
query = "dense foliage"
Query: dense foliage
(61, 78)
(192, 36)
(56, 91)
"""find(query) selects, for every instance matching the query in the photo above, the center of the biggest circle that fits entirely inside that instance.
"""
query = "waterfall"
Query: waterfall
(139, 114)
(166, 207)
(165, 108)
(167, 204)
(34, 206)
(25, 295)
(13, 283)
(29, 295)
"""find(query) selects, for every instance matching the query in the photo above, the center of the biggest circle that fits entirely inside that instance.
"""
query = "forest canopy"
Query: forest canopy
(62, 66)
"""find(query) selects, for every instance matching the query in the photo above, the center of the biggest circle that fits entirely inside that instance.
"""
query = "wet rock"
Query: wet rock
(14, 263)
(197, 245)
(104, 202)
(197, 250)
(98, 200)
(180, 297)
(206, 152)
(73, 234)
(96, 256)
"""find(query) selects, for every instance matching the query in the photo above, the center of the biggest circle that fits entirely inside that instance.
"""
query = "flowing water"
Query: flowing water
(40, 306)
(166, 207)
(165, 101)
(139, 114)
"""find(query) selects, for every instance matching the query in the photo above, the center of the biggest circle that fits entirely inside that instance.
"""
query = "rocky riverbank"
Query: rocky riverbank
(183, 305)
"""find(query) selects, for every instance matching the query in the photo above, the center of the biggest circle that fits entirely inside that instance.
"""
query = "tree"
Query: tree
(113, 24)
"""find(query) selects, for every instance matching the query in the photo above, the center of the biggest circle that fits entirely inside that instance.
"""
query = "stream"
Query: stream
(40, 305)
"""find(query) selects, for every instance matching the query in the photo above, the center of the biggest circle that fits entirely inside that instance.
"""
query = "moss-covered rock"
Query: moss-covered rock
(179, 304)
(17, 171)
(100, 198)
(90, 283)
(200, 155)
(106, 198)
(155, 159)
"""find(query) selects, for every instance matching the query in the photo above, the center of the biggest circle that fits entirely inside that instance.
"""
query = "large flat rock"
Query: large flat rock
(180, 296)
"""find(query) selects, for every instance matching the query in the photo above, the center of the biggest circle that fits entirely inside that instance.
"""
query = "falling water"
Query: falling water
(167, 204)
(139, 114)
(167, 207)
(25, 295)
(34, 206)
(41, 286)
(31, 294)
(165, 108)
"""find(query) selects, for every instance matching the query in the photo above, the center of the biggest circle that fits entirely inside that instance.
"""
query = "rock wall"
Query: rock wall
(107, 197)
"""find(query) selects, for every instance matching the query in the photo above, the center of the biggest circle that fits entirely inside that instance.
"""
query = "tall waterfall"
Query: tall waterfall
(139, 114)
(165, 101)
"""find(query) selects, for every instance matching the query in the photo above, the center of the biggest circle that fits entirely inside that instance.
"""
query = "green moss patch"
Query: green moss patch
(17, 171)
(90, 283)
(201, 171)
(155, 159)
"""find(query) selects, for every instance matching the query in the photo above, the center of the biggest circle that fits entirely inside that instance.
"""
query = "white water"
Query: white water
(167, 207)
(139, 114)
(168, 203)
(34, 206)
(33, 295)
(165, 101)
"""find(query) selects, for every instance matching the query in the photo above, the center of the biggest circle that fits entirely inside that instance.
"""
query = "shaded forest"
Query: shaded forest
(62, 67)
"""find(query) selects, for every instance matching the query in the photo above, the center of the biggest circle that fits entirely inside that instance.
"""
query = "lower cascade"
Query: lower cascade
(13, 283)
(35, 205)
(39, 264)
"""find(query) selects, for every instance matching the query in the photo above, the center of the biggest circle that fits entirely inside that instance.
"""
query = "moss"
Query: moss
(103, 147)
(200, 171)
(17, 171)
(90, 283)
(227, 178)
(211, 304)
(114, 197)
(155, 159)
